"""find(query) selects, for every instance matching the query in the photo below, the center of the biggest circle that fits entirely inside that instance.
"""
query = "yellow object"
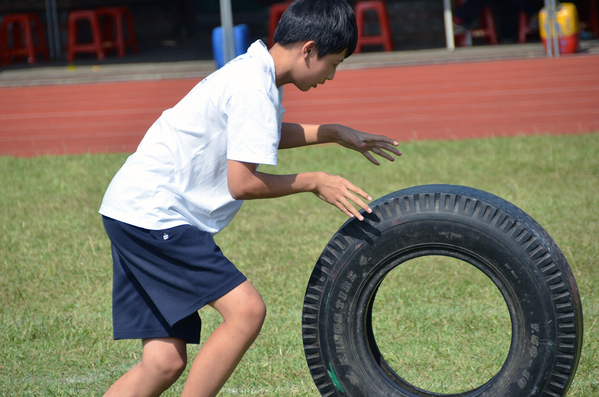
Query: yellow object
(567, 21)
(568, 28)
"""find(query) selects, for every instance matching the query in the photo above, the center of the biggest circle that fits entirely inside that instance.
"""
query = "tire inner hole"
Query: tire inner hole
(441, 324)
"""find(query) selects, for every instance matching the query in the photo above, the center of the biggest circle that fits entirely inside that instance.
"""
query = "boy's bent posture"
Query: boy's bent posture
(188, 179)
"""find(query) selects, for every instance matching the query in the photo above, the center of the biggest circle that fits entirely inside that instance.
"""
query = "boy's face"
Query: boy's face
(317, 70)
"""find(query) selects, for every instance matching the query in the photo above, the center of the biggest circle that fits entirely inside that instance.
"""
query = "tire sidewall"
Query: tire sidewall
(344, 319)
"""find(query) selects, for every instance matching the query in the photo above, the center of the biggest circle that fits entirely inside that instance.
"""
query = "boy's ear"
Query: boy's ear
(309, 49)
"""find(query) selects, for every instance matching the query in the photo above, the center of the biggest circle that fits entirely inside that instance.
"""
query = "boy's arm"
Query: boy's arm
(246, 183)
(296, 135)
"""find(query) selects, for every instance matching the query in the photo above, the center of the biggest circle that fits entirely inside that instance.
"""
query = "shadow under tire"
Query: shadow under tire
(471, 225)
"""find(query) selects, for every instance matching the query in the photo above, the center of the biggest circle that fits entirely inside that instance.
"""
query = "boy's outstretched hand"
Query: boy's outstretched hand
(366, 143)
(341, 193)
(245, 182)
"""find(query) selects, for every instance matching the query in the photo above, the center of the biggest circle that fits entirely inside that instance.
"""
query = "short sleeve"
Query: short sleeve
(253, 128)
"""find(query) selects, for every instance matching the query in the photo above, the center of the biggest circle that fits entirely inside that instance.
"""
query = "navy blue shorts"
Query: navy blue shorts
(161, 278)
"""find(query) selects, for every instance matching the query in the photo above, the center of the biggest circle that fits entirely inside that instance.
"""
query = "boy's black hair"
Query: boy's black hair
(330, 23)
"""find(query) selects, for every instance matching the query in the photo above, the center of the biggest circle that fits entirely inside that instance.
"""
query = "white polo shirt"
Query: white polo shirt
(178, 175)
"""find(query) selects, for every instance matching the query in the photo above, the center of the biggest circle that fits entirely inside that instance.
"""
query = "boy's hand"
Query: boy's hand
(366, 143)
(337, 191)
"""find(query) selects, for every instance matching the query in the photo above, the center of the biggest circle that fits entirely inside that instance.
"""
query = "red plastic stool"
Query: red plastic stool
(274, 15)
(487, 29)
(23, 45)
(524, 27)
(73, 46)
(384, 37)
(116, 21)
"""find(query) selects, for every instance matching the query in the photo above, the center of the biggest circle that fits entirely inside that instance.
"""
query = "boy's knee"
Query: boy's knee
(168, 369)
(167, 364)
(250, 317)
(260, 312)
(243, 309)
(254, 314)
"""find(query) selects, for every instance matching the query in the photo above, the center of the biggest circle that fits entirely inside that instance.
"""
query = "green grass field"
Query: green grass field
(441, 333)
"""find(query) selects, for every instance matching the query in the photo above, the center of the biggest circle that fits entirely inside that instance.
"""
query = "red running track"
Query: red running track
(450, 101)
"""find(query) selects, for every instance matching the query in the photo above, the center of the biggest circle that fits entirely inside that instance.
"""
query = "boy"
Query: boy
(187, 180)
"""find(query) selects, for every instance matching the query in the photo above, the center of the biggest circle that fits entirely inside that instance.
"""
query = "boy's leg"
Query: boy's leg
(243, 313)
(163, 360)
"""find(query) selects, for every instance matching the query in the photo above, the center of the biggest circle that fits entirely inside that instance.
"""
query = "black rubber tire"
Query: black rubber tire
(493, 235)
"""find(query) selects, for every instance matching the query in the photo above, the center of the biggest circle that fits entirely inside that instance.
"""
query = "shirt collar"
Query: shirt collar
(259, 50)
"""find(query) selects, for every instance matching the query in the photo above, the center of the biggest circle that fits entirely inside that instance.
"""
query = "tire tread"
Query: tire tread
(514, 224)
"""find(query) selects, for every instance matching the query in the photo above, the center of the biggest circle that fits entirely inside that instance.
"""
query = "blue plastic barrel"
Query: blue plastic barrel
(241, 35)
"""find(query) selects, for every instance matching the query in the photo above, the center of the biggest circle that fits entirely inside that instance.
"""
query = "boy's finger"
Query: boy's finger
(392, 149)
(391, 142)
(383, 154)
(383, 138)
(388, 147)
(370, 158)
(345, 211)
(352, 188)
(350, 210)
(355, 199)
